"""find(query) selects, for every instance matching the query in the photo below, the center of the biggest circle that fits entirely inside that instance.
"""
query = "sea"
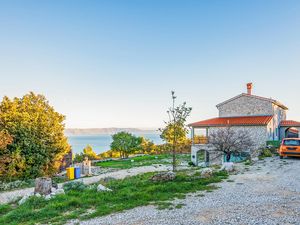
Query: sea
(101, 143)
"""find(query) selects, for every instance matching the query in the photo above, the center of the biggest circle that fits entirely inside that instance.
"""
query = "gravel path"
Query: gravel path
(268, 193)
(6, 197)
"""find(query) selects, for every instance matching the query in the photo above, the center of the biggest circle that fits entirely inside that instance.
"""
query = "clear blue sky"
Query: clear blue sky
(114, 63)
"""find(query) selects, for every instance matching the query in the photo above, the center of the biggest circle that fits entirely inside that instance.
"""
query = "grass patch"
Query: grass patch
(127, 193)
(145, 160)
(231, 181)
(179, 206)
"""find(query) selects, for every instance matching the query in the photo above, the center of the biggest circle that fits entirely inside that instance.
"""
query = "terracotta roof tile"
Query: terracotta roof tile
(234, 121)
(289, 123)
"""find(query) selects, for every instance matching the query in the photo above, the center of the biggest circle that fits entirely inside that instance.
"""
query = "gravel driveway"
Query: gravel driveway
(268, 193)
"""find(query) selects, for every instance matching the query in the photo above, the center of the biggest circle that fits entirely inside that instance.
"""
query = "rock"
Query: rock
(164, 176)
(228, 166)
(102, 188)
(43, 185)
(38, 195)
(108, 179)
(47, 197)
(60, 191)
(206, 173)
(25, 198)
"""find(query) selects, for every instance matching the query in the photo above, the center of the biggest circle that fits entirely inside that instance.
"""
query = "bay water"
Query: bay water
(101, 143)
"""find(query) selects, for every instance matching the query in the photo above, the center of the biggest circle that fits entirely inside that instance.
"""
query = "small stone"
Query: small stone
(206, 173)
(47, 197)
(38, 195)
(228, 166)
(60, 191)
(102, 188)
(23, 200)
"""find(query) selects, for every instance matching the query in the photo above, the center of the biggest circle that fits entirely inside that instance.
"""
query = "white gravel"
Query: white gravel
(9, 196)
(269, 193)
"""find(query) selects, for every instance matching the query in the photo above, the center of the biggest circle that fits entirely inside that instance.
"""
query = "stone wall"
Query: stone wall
(259, 134)
(246, 106)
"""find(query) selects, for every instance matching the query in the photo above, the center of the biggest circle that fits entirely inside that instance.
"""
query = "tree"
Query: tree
(227, 141)
(125, 143)
(39, 143)
(175, 130)
(147, 146)
(89, 152)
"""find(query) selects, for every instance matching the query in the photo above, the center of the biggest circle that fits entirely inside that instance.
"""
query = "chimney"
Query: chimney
(249, 88)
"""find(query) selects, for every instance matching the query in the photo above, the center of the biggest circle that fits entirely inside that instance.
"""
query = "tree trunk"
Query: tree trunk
(228, 156)
(43, 185)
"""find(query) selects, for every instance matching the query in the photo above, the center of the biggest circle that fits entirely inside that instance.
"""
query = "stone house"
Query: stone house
(265, 119)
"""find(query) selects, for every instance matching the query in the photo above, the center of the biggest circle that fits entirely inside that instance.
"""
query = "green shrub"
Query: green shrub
(191, 163)
(265, 153)
(247, 162)
(74, 186)
(7, 186)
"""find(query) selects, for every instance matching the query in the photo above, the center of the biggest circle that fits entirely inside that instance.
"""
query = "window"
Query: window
(291, 142)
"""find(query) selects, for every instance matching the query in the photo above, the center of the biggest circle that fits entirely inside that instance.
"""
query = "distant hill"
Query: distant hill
(98, 131)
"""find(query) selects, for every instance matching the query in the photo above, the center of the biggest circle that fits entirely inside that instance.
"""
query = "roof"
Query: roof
(293, 130)
(234, 121)
(289, 123)
(254, 96)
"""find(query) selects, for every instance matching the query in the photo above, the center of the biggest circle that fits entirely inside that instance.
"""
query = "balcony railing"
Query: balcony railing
(200, 140)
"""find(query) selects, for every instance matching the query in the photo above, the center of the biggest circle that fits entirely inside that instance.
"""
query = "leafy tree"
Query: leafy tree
(227, 141)
(175, 130)
(89, 152)
(125, 143)
(147, 146)
(39, 143)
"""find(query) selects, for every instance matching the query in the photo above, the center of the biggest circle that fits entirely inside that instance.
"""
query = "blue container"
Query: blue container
(76, 172)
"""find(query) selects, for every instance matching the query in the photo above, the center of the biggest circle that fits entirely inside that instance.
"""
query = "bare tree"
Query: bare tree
(228, 141)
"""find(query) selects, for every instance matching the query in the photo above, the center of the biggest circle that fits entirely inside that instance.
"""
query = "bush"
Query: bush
(191, 163)
(7, 186)
(74, 185)
(265, 153)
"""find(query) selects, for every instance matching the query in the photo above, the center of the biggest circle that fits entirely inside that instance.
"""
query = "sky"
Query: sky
(114, 63)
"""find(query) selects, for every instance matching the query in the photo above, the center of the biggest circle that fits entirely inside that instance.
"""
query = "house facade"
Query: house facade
(265, 119)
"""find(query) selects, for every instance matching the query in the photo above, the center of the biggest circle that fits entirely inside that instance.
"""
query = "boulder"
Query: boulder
(164, 176)
(101, 187)
(206, 173)
(43, 185)
(228, 166)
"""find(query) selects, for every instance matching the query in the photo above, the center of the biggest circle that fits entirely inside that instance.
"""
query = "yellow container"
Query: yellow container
(70, 173)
